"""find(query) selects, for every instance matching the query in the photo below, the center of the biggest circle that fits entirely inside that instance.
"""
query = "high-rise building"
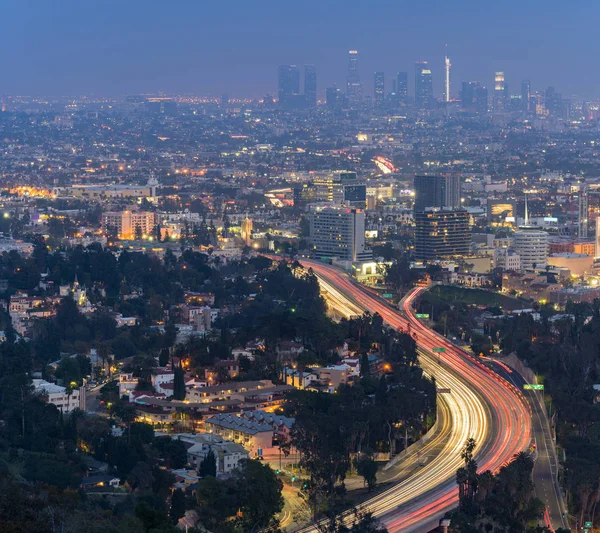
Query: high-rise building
(467, 94)
(474, 97)
(338, 232)
(481, 100)
(442, 234)
(436, 191)
(500, 92)
(379, 88)
(402, 87)
(333, 98)
(526, 95)
(447, 66)
(289, 83)
(353, 85)
(532, 246)
(423, 85)
(129, 224)
(310, 85)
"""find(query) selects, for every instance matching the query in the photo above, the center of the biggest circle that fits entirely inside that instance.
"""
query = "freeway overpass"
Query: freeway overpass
(481, 405)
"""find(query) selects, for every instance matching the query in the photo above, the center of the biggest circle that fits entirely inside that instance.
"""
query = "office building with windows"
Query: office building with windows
(423, 85)
(442, 234)
(310, 85)
(532, 246)
(289, 84)
(338, 232)
(402, 87)
(353, 85)
(379, 88)
(437, 191)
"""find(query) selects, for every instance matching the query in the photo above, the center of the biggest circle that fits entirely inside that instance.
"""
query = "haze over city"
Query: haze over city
(114, 48)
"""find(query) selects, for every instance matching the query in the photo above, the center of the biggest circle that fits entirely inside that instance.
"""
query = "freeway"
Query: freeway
(545, 473)
(482, 406)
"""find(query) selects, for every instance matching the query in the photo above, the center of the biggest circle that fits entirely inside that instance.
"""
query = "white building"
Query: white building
(532, 246)
(58, 396)
(506, 259)
(227, 453)
(127, 223)
(339, 232)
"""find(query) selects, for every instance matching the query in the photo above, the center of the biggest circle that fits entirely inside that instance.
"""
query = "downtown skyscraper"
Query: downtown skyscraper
(402, 87)
(310, 85)
(423, 85)
(289, 83)
(378, 88)
(354, 91)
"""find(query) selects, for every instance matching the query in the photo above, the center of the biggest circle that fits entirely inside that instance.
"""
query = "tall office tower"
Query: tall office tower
(224, 100)
(423, 85)
(584, 211)
(532, 246)
(310, 85)
(467, 94)
(526, 95)
(447, 66)
(402, 87)
(379, 88)
(289, 83)
(481, 100)
(554, 103)
(499, 92)
(442, 234)
(436, 191)
(333, 98)
(353, 85)
(338, 232)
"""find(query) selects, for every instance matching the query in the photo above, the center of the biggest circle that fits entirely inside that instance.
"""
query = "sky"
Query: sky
(210, 47)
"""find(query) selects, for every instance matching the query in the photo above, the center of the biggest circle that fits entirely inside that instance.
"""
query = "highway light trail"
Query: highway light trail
(482, 406)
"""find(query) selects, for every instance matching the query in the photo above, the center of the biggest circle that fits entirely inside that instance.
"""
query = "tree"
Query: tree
(140, 477)
(177, 505)
(208, 467)
(258, 493)
(367, 468)
(365, 369)
(179, 390)
(163, 358)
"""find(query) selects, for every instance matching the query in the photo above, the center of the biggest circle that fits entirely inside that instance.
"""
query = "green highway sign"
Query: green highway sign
(388, 295)
(439, 350)
(588, 525)
(422, 315)
(528, 386)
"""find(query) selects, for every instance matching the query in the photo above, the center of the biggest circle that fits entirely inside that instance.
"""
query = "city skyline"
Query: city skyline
(203, 50)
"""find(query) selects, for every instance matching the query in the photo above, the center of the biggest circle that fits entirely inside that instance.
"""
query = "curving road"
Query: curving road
(481, 405)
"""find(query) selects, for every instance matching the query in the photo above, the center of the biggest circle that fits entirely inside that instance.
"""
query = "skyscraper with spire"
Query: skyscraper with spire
(447, 66)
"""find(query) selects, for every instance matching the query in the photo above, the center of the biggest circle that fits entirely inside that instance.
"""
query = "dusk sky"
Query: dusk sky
(206, 47)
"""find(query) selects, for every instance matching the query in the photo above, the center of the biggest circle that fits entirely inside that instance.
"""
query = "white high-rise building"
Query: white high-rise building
(532, 246)
(338, 232)
(447, 66)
